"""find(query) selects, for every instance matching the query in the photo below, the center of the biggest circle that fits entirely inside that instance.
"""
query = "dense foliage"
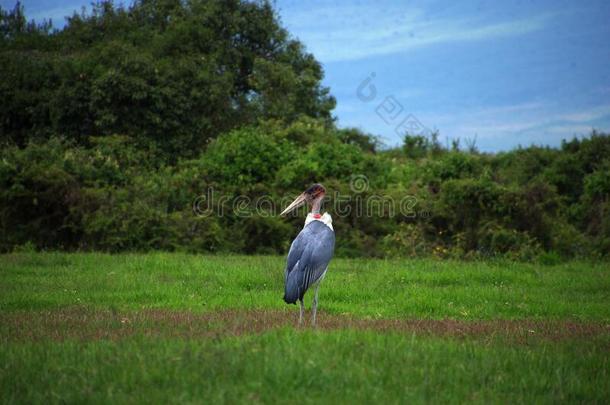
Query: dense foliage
(184, 126)
(115, 196)
(169, 73)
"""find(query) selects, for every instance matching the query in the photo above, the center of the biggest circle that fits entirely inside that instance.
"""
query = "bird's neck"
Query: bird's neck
(316, 205)
(325, 219)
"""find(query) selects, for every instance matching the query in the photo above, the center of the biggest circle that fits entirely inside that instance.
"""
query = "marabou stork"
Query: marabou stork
(310, 252)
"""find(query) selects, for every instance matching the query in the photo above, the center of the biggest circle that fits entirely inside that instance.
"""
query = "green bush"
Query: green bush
(37, 189)
(497, 240)
(407, 241)
(116, 195)
(245, 157)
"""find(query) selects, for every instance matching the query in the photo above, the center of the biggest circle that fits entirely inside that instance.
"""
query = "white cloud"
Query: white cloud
(355, 32)
(526, 123)
(499, 127)
(587, 115)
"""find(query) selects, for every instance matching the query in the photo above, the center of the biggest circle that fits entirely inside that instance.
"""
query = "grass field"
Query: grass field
(194, 329)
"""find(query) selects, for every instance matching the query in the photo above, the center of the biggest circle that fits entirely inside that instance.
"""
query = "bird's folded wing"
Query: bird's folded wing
(308, 258)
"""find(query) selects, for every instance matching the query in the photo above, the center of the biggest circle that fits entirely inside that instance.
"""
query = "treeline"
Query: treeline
(115, 196)
(182, 126)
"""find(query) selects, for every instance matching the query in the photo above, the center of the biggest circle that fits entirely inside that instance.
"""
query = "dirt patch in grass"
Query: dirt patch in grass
(89, 324)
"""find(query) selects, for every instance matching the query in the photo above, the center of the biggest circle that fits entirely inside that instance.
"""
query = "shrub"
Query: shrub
(245, 157)
(37, 189)
(497, 240)
(407, 241)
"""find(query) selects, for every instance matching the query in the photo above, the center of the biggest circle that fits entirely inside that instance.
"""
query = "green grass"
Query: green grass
(284, 364)
(287, 366)
(364, 288)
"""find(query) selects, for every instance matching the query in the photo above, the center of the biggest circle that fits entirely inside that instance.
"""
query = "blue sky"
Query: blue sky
(507, 73)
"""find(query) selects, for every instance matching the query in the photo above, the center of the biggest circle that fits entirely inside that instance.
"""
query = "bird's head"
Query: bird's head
(313, 197)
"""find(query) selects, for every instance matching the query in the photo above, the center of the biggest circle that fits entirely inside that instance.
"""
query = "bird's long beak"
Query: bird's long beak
(300, 200)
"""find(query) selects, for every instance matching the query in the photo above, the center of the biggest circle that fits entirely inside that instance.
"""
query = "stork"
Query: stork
(310, 252)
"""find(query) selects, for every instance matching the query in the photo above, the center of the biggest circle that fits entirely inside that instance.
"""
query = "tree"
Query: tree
(165, 72)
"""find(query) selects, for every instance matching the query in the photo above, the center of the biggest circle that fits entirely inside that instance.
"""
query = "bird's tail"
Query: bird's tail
(289, 300)
(292, 290)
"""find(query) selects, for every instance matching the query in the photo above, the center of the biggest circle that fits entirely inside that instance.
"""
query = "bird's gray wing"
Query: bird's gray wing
(308, 258)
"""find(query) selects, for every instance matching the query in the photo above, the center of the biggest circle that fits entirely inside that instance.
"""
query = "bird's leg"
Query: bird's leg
(314, 307)
(301, 312)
